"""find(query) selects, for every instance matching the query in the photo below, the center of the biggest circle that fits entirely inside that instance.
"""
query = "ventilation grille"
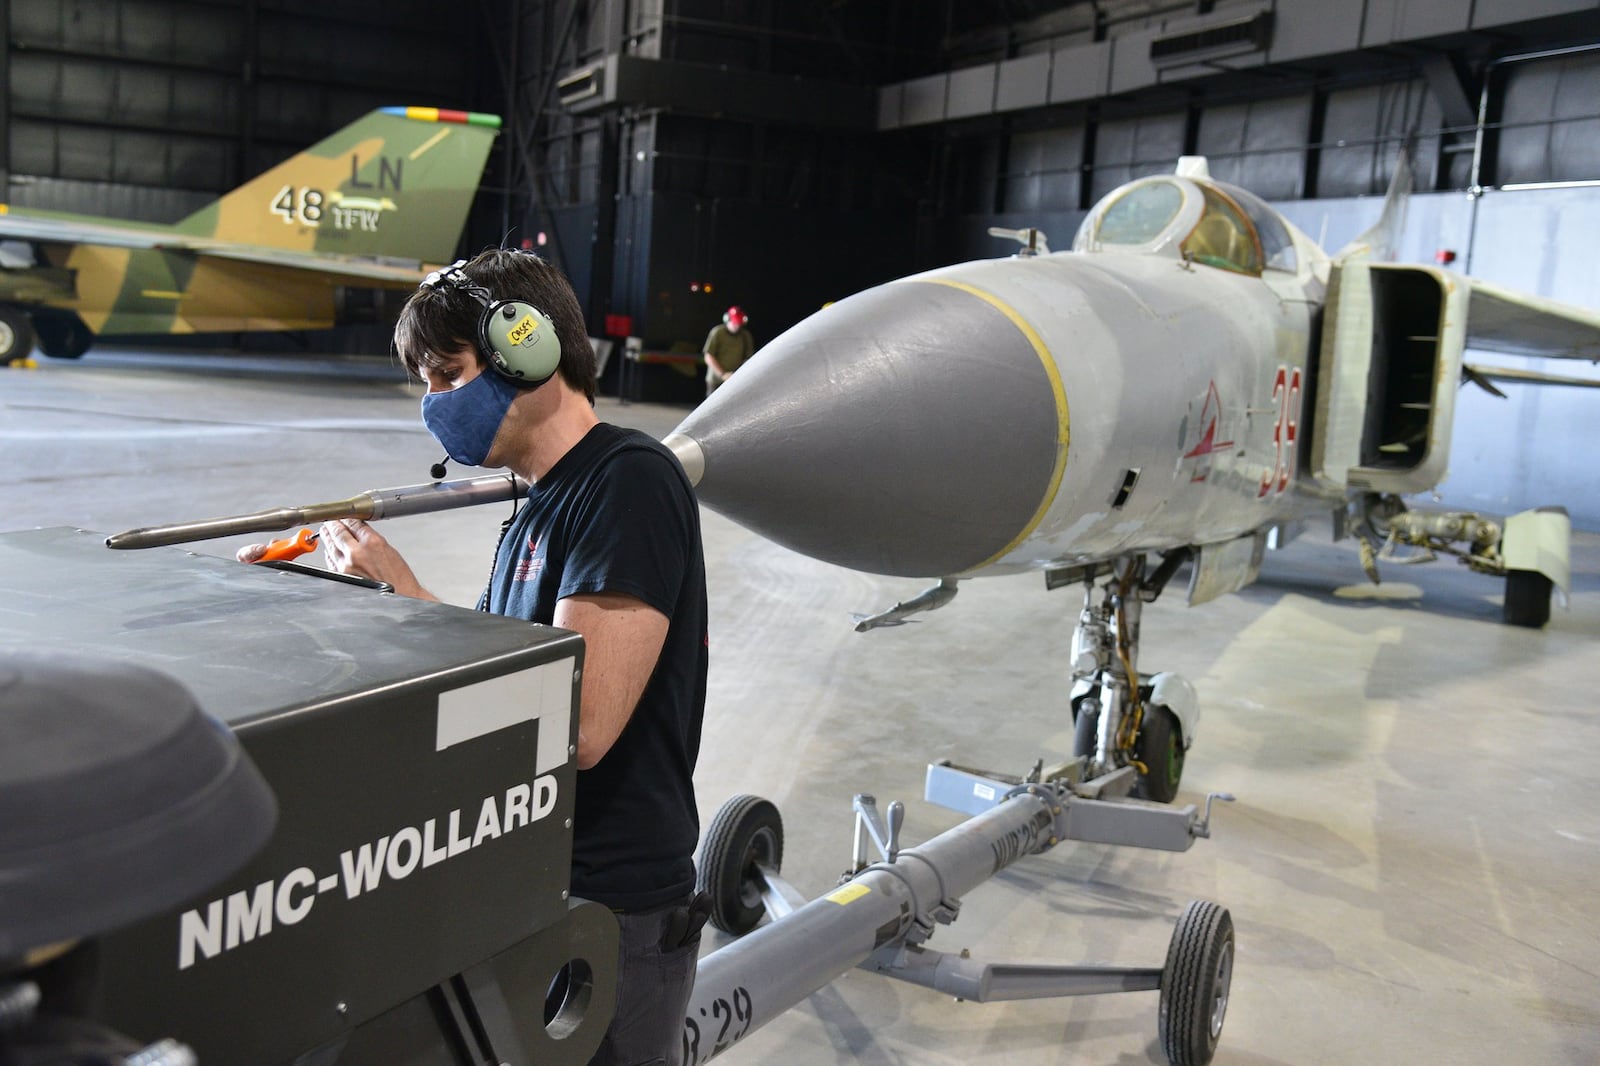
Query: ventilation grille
(1213, 42)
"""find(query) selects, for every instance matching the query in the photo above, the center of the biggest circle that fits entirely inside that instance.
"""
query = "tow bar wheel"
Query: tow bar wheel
(747, 833)
(1194, 984)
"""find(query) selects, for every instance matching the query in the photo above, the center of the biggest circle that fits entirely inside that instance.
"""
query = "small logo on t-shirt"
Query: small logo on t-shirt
(529, 566)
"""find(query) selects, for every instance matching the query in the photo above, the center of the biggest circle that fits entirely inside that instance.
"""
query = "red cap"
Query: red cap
(735, 317)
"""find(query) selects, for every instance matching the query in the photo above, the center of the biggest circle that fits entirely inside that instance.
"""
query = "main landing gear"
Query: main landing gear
(1531, 551)
(16, 336)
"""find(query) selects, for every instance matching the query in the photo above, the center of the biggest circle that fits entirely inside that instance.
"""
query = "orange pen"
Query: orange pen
(290, 547)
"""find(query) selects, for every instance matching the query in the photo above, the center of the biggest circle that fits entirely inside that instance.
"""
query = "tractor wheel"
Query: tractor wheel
(1195, 982)
(747, 833)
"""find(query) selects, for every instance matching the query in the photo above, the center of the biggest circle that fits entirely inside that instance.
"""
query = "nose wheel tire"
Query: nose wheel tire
(747, 833)
(1195, 983)
(1160, 747)
(1085, 727)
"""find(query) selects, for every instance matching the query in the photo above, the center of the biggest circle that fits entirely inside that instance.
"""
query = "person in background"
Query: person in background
(728, 345)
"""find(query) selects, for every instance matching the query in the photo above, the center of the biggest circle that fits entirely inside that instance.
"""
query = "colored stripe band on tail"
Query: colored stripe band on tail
(436, 114)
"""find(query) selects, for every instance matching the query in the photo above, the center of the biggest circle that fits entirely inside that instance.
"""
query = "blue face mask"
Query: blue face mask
(465, 420)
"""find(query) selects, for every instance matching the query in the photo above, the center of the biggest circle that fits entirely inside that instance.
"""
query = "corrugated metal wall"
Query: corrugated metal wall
(146, 109)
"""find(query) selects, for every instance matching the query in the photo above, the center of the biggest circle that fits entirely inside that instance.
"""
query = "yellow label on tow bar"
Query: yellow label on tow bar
(847, 893)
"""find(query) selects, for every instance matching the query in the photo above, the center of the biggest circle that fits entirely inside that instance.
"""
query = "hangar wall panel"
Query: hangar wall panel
(971, 92)
(1393, 21)
(1134, 147)
(1551, 118)
(1044, 171)
(1304, 28)
(1023, 82)
(924, 100)
(199, 34)
(202, 96)
(1080, 72)
(1259, 145)
(1130, 60)
(107, 199)
(1500, 12)
(1362, 129)
(98, 91)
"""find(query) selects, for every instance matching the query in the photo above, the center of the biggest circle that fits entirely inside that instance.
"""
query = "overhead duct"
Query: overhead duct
(635, 81)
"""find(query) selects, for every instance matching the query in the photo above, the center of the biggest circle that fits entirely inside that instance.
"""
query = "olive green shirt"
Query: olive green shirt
(729, 349)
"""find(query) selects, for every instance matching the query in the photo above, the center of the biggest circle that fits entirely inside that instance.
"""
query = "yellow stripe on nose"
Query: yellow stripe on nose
(1059, 393)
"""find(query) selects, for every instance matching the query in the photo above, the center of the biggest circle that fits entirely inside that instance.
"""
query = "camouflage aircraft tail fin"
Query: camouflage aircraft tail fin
(396, 183)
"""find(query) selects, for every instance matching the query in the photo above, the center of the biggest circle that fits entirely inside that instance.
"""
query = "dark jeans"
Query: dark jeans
(653, 987)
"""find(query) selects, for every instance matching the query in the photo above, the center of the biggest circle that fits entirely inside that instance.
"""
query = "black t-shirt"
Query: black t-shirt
(617, 514)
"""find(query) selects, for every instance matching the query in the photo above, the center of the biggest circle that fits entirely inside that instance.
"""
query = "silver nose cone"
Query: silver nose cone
(690, 456)
(912, 430)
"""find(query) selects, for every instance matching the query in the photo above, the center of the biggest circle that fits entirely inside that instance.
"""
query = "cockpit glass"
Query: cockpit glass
(1139, 215)
(1223, 238)
(1276, 244)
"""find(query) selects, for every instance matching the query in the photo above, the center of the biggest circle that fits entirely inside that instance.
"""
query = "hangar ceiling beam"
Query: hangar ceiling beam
(1451, 84)
(528, 117)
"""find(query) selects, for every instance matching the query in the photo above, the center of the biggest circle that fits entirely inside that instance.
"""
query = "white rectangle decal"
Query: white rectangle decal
(543, 693)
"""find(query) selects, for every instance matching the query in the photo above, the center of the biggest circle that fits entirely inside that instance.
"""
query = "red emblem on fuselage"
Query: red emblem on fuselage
(1210, 411)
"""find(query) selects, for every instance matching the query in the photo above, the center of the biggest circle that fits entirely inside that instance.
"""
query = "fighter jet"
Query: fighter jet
(1187, 385)
(365, 208)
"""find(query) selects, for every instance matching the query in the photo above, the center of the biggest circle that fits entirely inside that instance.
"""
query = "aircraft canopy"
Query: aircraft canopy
(1207, 222)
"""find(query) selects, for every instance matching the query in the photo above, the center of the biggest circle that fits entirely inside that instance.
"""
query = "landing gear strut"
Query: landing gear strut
(1121, 718)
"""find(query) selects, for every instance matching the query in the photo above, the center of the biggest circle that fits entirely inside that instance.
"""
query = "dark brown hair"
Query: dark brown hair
(440, 319)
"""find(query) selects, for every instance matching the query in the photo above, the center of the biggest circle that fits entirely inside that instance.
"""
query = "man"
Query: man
(607, 544)
(728, 345)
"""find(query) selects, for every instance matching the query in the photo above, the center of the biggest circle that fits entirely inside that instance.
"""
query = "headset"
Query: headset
(517, 338)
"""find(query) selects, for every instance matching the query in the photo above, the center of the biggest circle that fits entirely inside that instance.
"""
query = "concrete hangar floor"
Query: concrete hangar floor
(1410, 864)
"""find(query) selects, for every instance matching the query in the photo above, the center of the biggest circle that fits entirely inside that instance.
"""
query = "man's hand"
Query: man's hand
(716, 367)
(351, 546)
